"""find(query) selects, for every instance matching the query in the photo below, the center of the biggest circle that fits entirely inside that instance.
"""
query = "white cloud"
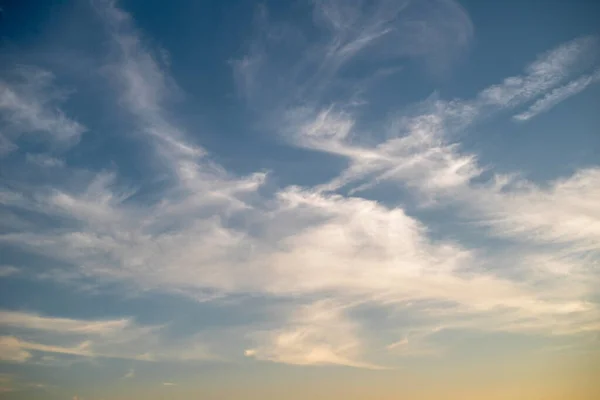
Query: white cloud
(29, 105)
(562, 212)
(435, 32)
(15, 345)
(416, 149)
(145, 87)
(87, 338)
(416, 152)
(62, 325)
(44, 160)
(11, 351)
(210, 231)
(130, 374)
(185, 228)
(355, 246)
(8, 270)
(6, 145)
(415, 344)
(316, 334)
(120, 338)
(558, 95)
(548, 71)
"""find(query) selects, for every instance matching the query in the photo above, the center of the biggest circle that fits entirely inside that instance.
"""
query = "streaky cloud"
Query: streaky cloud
(558, 95)
(29, 105)
(320, 252)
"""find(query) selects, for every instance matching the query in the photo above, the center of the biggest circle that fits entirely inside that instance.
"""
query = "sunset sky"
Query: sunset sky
(300, 199)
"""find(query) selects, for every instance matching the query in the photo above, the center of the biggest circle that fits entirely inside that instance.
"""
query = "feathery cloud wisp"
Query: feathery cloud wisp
(62, 325)
(558, 95)
(28, 105)
(207, 230)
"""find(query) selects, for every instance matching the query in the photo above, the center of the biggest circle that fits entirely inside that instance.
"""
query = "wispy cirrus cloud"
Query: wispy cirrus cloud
(44, 160)
(19, 350)
(11, 351)
(8, 270)
(61, 325)
(561, 213)
(208, 233)
(315, 334)
(66, 336)
(185, 210)
(27, 336)
(29, 102)
(558, 95)
(418, 152)
(548, 71)
(435, 32)
(142, 83)
(418, 146)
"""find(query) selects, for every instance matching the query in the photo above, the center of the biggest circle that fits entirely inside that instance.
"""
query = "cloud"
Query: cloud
(130, 374)
(12, 351)
(316, 334)
(207, 233)
(62, 325)
(8, 270)
(417, 147)
(549, 70)
(119, 338)
(44, 160)
(29, 104)
(193, 208)
(15, 345)
(144, 86)
(367, 34)
(86, 338)
(562, 212)
(355, 246)
(6, 383)
(558, 95)
(416, 153)
(434, 30)
(415, 344)
(421, 156)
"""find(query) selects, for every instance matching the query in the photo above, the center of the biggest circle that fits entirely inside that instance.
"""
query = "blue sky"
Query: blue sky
(329, 198)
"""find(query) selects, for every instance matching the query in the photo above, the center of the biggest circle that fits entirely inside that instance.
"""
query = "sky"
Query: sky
(358, 199)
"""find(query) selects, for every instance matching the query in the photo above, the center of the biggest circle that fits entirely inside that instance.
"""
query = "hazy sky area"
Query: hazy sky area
(300, 199)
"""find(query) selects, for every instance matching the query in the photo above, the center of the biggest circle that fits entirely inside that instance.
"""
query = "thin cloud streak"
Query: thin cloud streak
(435, 32)
(29, 103)
(559, 95)
(62, 325)
(120, 339)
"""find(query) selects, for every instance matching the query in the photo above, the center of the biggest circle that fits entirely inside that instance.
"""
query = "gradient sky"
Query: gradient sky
(327, 199)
